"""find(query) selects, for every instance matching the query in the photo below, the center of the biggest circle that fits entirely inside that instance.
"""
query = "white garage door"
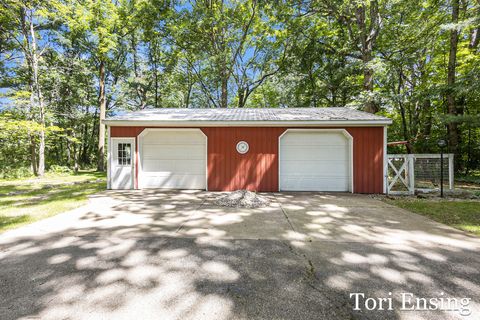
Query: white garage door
(173, 158)
(315, 161)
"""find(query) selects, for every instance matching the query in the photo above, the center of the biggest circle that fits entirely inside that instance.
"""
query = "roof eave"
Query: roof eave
(199, 123)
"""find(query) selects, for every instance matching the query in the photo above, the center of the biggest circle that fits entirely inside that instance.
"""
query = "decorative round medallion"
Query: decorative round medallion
(242, 147)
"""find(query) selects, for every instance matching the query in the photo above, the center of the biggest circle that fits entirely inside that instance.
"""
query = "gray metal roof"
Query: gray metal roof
(237, 115)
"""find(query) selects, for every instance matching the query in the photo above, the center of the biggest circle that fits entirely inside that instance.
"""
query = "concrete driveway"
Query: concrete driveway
(175, 255)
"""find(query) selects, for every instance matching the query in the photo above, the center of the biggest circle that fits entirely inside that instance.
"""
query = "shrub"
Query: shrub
(15, 173)
(60, 169)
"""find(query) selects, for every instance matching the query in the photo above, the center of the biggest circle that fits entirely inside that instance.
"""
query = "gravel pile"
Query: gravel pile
(242, 199)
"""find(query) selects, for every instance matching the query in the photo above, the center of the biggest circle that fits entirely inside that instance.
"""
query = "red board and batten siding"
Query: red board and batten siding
(368, 160)
(258, 168)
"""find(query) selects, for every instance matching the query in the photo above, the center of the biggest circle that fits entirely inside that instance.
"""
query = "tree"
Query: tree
(453, 132)
(27, 17)
(229, 48)
(416, 62)
(361, 22)
(98, 22)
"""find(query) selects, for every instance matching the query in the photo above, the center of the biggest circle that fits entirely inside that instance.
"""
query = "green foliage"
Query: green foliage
(10, 172)
(244, 53)
(18, 137)
(60, 169)
(471, 177)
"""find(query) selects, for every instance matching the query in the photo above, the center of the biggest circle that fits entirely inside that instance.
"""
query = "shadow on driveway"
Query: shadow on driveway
(175, 255)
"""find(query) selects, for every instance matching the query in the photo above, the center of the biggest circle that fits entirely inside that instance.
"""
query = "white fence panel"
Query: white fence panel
(409, 172)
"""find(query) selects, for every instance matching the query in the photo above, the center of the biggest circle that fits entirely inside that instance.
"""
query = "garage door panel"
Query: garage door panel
(176, 166)
(335, 153)
(314, 184)
(174, 138)
(325, 168)
(174, 151)
(313, 139)
(173, 159)
(174, 181)
(314, 161)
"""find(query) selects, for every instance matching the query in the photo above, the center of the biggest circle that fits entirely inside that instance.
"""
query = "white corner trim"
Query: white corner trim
(385, 160)
(109, 158)
(343, 131)
(279, 162)
(147, 130)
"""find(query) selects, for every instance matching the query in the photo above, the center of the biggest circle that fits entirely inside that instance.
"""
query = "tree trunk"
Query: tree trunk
(39, 97)
(68, 151)
(189, 93)
(84, 148)
(33, 155)
(75, 152)
(33, 151)
(427, 124)
(140, 89)
(224, 85)
(312, 85)
(474, 38)
(453, 131)
(101, 127)
(469, 151)
(404, 121)
(241, 97)
(154, 56)
(367, 37)
(475, 34)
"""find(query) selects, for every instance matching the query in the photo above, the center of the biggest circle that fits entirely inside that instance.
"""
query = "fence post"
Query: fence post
(385, 177)
(451, 176)
(411, 173)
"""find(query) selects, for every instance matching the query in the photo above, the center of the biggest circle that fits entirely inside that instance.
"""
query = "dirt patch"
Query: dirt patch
(242, 199)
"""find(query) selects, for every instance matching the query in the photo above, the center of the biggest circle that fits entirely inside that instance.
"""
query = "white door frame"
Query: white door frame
(147, 130)
(342, 131)
(110, 157)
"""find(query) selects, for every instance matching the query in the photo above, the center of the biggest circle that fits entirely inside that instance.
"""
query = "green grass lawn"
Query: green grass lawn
(24, 201)
(460, 214)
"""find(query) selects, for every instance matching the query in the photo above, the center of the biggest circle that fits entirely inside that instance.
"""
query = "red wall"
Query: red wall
(258, 169)
(125, 131)
(367, 159)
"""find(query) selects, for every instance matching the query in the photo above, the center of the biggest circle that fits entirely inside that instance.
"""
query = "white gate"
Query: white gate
(409, 172)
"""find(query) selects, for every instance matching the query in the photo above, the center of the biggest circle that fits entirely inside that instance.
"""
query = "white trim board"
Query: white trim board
(385, 161)
(350, 149)
(180, 123)
(109, 155)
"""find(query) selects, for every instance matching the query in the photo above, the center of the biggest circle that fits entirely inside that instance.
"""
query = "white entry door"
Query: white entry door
(315, 160)
(122, 163)
(173, 158)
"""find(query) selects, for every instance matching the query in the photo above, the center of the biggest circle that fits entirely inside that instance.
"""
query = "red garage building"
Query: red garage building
(285, 149)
